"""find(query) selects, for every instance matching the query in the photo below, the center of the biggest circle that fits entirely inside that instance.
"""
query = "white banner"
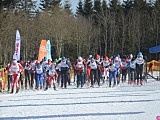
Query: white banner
(16, 55)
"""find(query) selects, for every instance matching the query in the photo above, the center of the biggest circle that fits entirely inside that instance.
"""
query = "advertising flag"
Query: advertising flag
(42, 50)
(48, 47)
(16, 55)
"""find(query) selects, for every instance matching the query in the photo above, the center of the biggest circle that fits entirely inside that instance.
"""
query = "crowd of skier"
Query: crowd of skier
(95, 70)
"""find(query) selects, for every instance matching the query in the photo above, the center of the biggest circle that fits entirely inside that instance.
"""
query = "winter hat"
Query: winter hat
(131, 56)
(92, 59)
(90, 56)
(140, 54)
(106, 58)
(63, 58)
(14, 61)
(49, 60)
(116, 58)
(79, 58)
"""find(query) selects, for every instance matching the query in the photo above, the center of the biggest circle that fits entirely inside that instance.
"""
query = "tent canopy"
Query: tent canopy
(155, 49)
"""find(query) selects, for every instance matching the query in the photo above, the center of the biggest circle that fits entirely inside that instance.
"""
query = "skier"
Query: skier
(93, 72)
(79, 66)
(27, 74)
(139, 67)
(39, 70)
(15, 70)
(105, 65)
(52, 76)
(98, 62)
(47, 67)
(57, 67)
(124, 68)
(117, 63)
(112, 74)
(32, 73)
(132, 68)
(64, 65)
(88, 69)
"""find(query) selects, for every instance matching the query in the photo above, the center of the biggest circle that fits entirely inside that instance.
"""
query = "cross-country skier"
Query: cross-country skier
(64, 65)
(117, 63)
(15, 70)
(39, 70)
(139, 67)
(123, 67)
(105, 65)
(112, 74)
(94, 72)
(52, 76)
(79, 66)
(132, 73)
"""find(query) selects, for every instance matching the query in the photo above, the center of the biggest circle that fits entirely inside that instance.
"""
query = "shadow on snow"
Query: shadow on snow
(71, 115)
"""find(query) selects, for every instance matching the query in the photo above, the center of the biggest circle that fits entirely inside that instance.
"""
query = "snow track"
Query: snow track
(124, 102)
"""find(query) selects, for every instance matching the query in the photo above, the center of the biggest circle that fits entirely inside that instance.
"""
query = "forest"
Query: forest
(97, 27)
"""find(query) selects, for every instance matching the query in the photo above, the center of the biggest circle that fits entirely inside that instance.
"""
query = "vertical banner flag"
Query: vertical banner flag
(42, 50)
(16, 55)
(48, 47)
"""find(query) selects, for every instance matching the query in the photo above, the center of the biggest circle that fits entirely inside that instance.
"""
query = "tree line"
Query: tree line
(97, 27)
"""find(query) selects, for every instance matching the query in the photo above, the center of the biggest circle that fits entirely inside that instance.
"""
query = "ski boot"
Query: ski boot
(55, 88)
(17, 90)
(12, 91)
(141, 83)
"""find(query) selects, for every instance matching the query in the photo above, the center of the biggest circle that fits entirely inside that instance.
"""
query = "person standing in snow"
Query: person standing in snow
(88, 70)
(52, 76)
(15, 68)
(124, 68)
(64, 65)
(105, 65)
(112, 74)
(32, 73)
(98, 62)
(57, 67)
(39, 70)
(27, 74)
(132, 73)
(79, 66)
(139, 67)
(9, 78)
(93, 72)
(117, 63)
(47, 67)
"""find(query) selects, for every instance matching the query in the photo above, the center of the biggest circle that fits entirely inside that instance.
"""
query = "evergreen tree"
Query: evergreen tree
(6, 4)
(79, 10)
(48, 4)
(67, 6)
(104, 7)
(114, 5)
(97, 6)
(127, 5)
(97, 11)
(26, 5)
(88, 8)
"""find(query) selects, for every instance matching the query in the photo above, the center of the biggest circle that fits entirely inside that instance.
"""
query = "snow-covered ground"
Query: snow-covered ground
(124, 102)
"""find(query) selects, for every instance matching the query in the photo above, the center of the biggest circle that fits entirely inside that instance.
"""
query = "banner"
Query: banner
(155, 65)
(42, 50)
(48, 47)
(16, 55)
